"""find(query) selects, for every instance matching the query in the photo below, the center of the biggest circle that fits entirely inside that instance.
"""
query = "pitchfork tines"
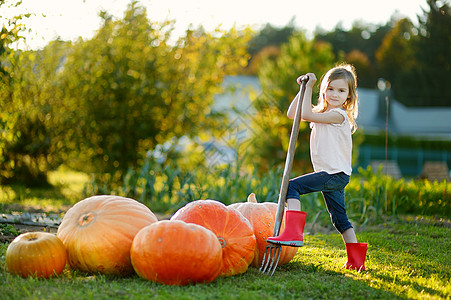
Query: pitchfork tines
(271, 259)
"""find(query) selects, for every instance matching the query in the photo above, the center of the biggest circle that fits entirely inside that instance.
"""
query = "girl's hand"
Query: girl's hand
(311, 81)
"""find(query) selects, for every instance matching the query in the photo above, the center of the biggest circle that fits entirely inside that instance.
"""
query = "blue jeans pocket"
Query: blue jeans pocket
(337, 182)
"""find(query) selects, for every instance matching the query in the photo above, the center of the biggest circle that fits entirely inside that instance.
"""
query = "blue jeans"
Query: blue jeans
(332, 187)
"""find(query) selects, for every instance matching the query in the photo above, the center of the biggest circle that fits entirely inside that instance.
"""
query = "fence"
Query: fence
(409, 160)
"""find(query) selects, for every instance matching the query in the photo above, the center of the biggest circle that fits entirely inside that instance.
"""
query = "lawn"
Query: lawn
(408, 258)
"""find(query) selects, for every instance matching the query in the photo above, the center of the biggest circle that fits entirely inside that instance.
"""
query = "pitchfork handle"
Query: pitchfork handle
(289, 160)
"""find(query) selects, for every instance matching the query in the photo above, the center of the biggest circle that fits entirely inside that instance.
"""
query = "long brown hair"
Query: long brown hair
(351, 105)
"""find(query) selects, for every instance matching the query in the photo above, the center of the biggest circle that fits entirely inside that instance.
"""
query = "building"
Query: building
(379, 114)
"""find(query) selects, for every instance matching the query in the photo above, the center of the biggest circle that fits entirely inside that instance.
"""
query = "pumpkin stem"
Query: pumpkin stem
(86, 219)
(222, 241)
(251, 198)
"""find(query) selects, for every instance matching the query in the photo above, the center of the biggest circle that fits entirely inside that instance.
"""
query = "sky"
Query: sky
(70, 19)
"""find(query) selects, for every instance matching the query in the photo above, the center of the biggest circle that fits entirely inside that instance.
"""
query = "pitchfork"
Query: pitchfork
(272, 251)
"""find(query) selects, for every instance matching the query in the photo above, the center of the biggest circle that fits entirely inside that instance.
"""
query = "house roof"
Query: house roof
(424, 122)
(428, 122)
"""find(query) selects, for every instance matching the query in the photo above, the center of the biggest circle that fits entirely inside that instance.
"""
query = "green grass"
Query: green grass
(407, 260)
(66, 188)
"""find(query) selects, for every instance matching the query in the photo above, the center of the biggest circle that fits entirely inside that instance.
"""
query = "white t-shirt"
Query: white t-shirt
(331, 146)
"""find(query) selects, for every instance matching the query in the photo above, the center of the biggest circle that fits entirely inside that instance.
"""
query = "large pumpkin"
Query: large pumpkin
(262, 217)
(176, 253)
(39, 254)
(98, 233)
(232, 229)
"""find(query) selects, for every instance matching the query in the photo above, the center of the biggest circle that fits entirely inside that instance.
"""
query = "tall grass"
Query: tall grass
(370, 196)
(165, 188)
(377, 195)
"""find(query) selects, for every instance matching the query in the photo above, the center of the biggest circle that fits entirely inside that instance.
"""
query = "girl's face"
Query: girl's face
(336, 93)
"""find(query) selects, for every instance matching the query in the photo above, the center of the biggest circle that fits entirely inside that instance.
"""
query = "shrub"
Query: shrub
(377, 195)
(165, 188)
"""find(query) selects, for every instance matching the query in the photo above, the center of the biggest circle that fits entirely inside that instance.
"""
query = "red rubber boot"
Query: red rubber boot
(356, 256)
(294, 228)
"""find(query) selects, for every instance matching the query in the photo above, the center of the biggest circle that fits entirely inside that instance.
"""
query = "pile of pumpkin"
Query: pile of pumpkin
(118, 236)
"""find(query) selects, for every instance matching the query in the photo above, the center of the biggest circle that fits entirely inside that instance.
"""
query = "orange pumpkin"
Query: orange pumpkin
(176, 253)
(232, 229)
(262, 217)
(98, 233)
(39, 254)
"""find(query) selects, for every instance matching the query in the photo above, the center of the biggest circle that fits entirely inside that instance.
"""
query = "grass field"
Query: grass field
(408, 258)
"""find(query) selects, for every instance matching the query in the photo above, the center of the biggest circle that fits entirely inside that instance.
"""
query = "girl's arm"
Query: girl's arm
(307, 112)
(294, 104)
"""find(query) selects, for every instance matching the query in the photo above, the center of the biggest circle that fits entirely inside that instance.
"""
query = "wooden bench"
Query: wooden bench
(435, 170)
(392, 168)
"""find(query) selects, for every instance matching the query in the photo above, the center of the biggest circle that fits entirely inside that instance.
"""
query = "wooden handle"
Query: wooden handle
(289, 160)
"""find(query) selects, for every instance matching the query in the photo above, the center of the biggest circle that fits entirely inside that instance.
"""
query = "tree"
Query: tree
(365, 70)
(271, 36)
(128, 89)
(99, 105)
(395, 56)
(10, 32)
(14, 128)
(432, 73)
(357, 46)
(421, 56)
(271, 127)
(265, 44)
(33, 97)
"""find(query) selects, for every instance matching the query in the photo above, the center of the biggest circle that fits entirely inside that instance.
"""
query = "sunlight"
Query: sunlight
(70, 19)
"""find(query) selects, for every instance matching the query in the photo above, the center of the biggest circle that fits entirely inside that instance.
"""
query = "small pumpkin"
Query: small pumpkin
(176, 253)
(39, 254)
(262, 217)
(98, 233)
(232, 229)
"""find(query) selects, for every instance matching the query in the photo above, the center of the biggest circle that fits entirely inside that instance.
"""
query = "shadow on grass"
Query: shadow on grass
(292, 281)
(404, 260)
(318, 281)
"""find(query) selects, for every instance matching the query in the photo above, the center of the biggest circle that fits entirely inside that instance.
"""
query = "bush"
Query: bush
(377, 195)
(165, 188)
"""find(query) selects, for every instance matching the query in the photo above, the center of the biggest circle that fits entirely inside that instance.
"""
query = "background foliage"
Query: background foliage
(103, 105)
(271, 127)
(99, 105)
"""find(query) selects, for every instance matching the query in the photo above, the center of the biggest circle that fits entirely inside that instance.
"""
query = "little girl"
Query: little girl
(332, 124)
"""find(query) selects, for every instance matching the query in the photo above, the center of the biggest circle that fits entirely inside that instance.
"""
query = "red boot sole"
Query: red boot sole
(286, 243)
